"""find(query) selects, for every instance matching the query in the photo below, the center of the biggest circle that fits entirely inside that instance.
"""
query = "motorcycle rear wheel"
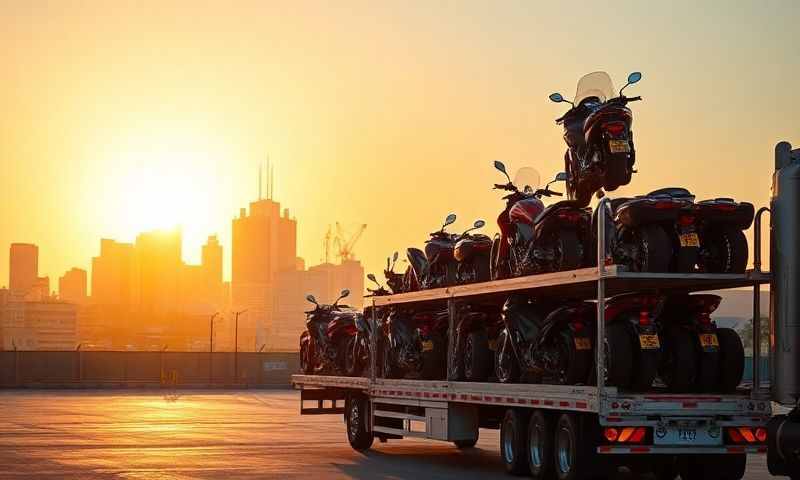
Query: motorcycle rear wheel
(477, 356)
(726, 251)
(731, 360)
(677, 370)
(576, 364)
(617, 171)
(619, 355)
(653, 248)
(306, 365)
(569, 248)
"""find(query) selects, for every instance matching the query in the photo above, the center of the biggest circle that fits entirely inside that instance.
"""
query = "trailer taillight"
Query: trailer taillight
(747, 434)
(625, 435)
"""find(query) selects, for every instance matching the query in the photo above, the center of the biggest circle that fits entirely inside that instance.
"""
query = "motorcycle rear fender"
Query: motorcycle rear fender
(550, 222)
(738, 215)
(638, 212)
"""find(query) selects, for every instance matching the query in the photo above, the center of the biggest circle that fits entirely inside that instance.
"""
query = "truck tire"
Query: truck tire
(513, 441)
(463, 444)
(477, 357)
(540, 445)
(677, 370)
(731, 360)
(570, 451)
(357, 419)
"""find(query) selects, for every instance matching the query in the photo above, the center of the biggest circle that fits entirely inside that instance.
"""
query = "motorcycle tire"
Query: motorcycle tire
(578, 362)
(617, 171)
(646, 369)
(678, 368)
(388, 368)
(306, 364)
(482, 273)
(619, 355)
(498, 269)
(434, 362)
(726, 251)
(654, 249)
(477, 358)
(350, 363)
(731, 360)
(571, 257)
(506, 365)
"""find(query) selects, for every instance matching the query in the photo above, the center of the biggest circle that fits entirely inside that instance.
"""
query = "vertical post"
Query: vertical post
(451, 337)
(757, 301)
(211, 350)
(373, 343)
(600, 344)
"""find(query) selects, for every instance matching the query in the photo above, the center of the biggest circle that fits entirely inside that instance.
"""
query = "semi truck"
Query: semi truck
(587, 431)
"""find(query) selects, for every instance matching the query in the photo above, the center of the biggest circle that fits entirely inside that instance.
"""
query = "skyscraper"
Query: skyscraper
(157, 273)
(112, 274)
(24, 268)
(72, 286)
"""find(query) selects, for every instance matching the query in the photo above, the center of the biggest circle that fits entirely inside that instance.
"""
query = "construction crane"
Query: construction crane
(345, 243)
(326, 246)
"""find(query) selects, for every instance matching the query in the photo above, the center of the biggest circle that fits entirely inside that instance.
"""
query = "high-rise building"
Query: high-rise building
(112, 274)
(24, 268)
(40, 291)
(72, 286)
(212, 259)
(157, 272)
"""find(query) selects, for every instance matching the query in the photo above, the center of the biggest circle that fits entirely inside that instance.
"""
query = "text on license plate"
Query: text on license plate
(583, 343)
(492, 345)
(427, 345)
(649, 342)
(689, 240)
(687, 435)
(619, 146)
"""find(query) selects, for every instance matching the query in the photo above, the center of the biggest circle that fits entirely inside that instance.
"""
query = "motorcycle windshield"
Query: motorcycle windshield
(595, 84)
(527, 179)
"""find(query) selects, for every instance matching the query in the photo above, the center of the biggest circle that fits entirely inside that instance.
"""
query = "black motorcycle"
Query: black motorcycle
(597, 130)
(336, 340)
(472, 251)
(534, 239)
(436, 266)
(414, 344)
(541, 344)
(477, 328)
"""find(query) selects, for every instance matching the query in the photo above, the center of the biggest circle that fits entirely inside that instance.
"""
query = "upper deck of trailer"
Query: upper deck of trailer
(582, 284)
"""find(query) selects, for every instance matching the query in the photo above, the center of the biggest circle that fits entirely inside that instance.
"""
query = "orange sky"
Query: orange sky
(122, 116)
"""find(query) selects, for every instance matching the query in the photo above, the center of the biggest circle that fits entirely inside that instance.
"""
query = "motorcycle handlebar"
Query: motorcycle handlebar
(634, 99)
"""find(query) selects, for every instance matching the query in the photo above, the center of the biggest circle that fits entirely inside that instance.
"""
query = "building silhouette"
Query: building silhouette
(158, 267)
(72, 286)
(24, 268)
(112, 273)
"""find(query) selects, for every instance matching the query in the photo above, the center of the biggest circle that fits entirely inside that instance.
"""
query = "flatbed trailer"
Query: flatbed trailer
(682, 433)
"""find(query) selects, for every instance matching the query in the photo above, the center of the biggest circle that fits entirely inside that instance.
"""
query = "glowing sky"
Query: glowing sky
(121, 116)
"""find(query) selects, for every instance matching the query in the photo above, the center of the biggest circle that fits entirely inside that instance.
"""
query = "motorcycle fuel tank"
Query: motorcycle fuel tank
(468, 247)
(437, 250)
(526, 210)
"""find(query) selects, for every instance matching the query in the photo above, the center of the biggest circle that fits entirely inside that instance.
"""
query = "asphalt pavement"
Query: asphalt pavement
(123, 434)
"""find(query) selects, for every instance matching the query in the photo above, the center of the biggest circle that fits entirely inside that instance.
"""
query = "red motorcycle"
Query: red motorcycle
(534, 239)
(597, 130)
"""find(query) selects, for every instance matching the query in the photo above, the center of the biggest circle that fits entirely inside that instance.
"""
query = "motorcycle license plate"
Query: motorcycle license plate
(689, 240)
(619, 146)
(493, 345)
(709, 340)
(427, 345)
(583, 343)
(649, 342)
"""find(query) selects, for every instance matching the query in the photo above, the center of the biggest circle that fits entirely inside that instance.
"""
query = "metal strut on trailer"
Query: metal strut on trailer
(455, 410)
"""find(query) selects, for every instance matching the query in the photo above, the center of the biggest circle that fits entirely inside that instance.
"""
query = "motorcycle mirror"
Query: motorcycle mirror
(561, 177)
(344, 293)
(632, 78)
(449, 220)
(502, 168)
(556, 97)
(373, 279)
(394, 257)
(311, 299)
(388, 264)
(478, 224)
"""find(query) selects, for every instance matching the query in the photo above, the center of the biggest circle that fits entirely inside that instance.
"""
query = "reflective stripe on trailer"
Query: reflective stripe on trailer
(577, 405)
(650, 449)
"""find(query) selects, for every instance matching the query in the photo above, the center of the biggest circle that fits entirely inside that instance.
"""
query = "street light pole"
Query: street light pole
(211, 348)
(236, 346)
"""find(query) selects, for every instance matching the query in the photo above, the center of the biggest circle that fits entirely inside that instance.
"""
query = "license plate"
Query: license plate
(691, 436)
(689, 240)
(583, 343)
(492, 345)
(709, 340)
(427, 345)
(619, 146)
(649, 342)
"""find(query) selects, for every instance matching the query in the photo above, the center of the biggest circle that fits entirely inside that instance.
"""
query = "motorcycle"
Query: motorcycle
(633, 346)
(543, 344)
(597, 130)
(436, 267)
(414, 344)
(336, 340)
(472, 251)
(477, 328)
(651, 233)
(698, 355)
(534, 239)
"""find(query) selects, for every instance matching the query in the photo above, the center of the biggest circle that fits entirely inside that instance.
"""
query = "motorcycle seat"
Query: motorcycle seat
(675, 192)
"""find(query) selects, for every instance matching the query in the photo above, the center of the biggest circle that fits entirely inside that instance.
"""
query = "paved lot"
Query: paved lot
(245, 434)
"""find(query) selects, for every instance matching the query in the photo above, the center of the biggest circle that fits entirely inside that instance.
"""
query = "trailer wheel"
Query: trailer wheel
(357, 417)
(506, 366)
(731, 360)
(714, 467)
(540, 445)
(477, 356)
(569, 450)
(513, 442)
(462, 444)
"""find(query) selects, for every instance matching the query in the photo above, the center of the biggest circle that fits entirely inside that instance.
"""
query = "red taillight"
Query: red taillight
(625, 435)
(569, 216)
(611, 434)
(614, 128)
(577, 326)
(725, 207)
(685, 220)
(747, 434)
(761, 435)
(644, 318)
(665, 204)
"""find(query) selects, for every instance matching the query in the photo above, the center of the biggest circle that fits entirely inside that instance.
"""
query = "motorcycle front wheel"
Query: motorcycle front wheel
(306, 365)
(506, 366)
